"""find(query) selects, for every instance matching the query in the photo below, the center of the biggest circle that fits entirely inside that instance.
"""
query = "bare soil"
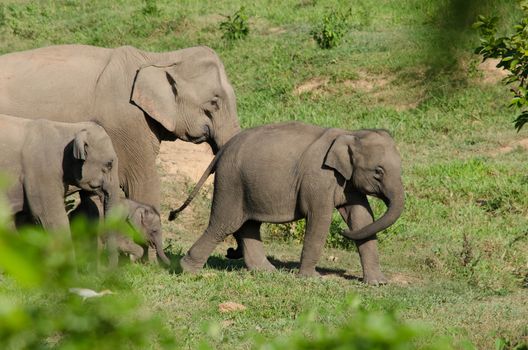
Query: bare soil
(184, 160)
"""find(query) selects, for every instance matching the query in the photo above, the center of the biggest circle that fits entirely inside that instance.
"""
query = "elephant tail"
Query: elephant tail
(210, 170)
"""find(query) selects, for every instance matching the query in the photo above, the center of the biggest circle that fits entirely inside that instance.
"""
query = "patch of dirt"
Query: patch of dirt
(378, 88)
(311, 85)
(367, 82)
(402, 279)
(184, 160)
(230, 306)
(523, 144)
(490, 73)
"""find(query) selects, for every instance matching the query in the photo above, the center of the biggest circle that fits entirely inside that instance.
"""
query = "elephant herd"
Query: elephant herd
(76, 118)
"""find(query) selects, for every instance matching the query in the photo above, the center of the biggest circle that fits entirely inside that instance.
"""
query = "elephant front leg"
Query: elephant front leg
(248, 239)
(357, 215)
(317, 227)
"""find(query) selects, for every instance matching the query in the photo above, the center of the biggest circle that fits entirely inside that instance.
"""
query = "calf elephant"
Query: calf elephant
(142, 217)
(48, 160)
(284, 172)
(140, 98)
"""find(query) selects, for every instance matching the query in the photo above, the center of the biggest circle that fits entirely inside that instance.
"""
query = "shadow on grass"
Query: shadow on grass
(221, 263)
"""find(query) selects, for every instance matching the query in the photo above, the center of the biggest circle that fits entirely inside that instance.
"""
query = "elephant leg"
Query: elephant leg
(46, 204)
(317, 226)
(252, 249)
(144, 184)
(357, 215)
(127, 246)
(196, 257)
(237, 253)
(91, 206)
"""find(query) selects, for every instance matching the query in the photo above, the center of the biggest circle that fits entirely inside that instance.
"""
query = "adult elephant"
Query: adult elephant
(140, 98)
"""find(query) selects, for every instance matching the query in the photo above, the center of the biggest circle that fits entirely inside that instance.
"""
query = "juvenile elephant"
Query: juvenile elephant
(142, 217)
(48, 160)
(285, 172)
(140, 98)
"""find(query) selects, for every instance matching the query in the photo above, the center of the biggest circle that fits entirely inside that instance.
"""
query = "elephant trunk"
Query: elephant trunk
(159, 250)
(395, 202)
(111, 191)
(226, 125)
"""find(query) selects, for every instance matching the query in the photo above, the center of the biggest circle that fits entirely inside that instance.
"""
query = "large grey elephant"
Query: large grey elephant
(284, 172)
(140, 98)
(48, 160)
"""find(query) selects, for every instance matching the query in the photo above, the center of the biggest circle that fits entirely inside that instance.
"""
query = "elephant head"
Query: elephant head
(97, 165)
(147, 220)
(370, 161)
(190, 97)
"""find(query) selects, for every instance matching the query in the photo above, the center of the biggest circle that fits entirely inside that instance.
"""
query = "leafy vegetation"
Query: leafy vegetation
(329, 32)
(512, 54)
(456, 259)
(235, 26)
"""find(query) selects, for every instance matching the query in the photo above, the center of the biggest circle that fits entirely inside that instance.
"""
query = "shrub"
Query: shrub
(235, 26)
(38, 311)
(511, 52)
(330, 31)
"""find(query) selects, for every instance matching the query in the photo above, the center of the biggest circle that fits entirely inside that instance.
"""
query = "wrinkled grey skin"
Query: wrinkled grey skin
(140, 98)
(144, 218)
(48, 160)
(284, 172)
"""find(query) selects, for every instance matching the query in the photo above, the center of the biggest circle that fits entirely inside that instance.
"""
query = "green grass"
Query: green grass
(457, 258)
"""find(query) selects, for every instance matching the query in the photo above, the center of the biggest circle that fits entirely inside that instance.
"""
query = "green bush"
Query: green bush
(37, 309)
(512, 54)
(331, 30)
(235, 26)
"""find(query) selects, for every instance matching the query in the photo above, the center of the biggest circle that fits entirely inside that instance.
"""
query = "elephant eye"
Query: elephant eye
(378, 173)
(109, 165)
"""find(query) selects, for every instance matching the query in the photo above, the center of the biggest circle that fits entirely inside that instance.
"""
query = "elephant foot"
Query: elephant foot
(234, 253)
(309, 273)
(267, 266)
(188, 266)
(375, 279)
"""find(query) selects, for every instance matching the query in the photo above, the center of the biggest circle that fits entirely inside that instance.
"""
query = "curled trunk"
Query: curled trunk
(395, 203)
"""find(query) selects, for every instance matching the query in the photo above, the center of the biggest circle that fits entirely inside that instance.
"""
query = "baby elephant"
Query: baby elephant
(48, 160)
(142, 217)
(285, 172)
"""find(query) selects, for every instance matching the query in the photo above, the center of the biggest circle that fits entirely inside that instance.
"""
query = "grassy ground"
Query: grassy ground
(457, 258)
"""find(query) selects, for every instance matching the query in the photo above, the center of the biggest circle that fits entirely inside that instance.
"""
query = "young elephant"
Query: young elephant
(48, 160)
(144, 218)
(285, 172)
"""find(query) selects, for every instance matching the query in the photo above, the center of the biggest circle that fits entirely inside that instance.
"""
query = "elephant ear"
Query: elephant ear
(80, 145)
(339, 156)
(155, 92)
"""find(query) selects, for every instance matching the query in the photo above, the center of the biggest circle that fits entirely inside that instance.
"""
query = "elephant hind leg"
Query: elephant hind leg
(196, 257)
(252, 247)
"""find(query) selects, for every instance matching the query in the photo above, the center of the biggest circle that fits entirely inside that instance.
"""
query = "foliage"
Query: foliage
(36, 262)
(150, 8)
(235, 26)
(362, 330)
(512, 52)
(329, 32)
